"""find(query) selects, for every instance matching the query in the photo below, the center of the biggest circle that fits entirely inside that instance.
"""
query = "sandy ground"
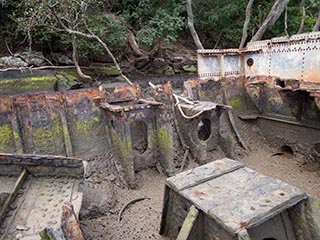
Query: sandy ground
(140, 220)
(286, 167)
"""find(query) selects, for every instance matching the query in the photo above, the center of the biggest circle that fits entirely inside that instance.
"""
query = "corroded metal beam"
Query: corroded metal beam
(42, 165)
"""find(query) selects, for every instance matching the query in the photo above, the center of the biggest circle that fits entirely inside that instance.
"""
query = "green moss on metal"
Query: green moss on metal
(190, 68)
(43, 139)
(163, 70)
(103, 71)
(165, 140)
(40, 134)
(66, 80)
(235, 102)
(86, 126)
(17, 141)
(230, 138)
(6, 138)
(123, 146)
(57, 126)
(28, 84)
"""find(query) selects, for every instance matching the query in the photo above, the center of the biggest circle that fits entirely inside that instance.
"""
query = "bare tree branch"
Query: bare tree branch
(133, 44)
(91, 35)
(246, 24)
(75, 59)
(23, 69)
(193, 31)
(317, 25)
(218, 40)
(9, 50)
(303, 18)
(274, 14)
(111, 55)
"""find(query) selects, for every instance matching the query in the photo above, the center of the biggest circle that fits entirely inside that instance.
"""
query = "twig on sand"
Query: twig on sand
(128, 203)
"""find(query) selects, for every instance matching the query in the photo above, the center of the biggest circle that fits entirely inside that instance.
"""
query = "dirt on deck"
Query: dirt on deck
(141, 220)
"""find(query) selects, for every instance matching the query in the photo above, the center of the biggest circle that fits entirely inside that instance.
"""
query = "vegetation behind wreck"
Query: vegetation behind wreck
(153, 23)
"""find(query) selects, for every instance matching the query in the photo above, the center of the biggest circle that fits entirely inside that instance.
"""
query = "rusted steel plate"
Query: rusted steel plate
(203, 106)
(39, 206)
(56, 123)
(123, 93)
(43, 165)
(296, 57)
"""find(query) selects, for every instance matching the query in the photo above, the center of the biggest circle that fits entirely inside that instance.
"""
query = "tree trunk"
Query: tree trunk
(303, 19)
(75, 59)
(286, 22)
(317, 25)
(193, 31)
(133, 44)
(274, 14)
(246, 24)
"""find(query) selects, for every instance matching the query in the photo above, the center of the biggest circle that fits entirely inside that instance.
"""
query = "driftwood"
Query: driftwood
(128, 203)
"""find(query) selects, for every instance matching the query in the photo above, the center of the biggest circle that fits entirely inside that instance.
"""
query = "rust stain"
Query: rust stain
(244, 224)
(218, 163)
(200, 194)
(167, 88)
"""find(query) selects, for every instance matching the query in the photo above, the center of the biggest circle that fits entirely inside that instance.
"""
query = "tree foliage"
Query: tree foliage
(154, 21)
(218, 23)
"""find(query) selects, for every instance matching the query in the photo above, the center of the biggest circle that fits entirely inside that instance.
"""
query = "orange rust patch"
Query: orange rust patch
(200, 194)
(218, 163)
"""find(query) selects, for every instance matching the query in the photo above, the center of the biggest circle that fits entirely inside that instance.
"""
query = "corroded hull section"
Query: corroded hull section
(56, 123)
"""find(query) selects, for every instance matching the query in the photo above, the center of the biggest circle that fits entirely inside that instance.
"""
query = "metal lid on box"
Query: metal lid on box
(235, 196)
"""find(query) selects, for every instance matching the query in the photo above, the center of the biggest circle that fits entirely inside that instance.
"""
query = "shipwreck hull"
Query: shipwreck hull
(271, 89)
